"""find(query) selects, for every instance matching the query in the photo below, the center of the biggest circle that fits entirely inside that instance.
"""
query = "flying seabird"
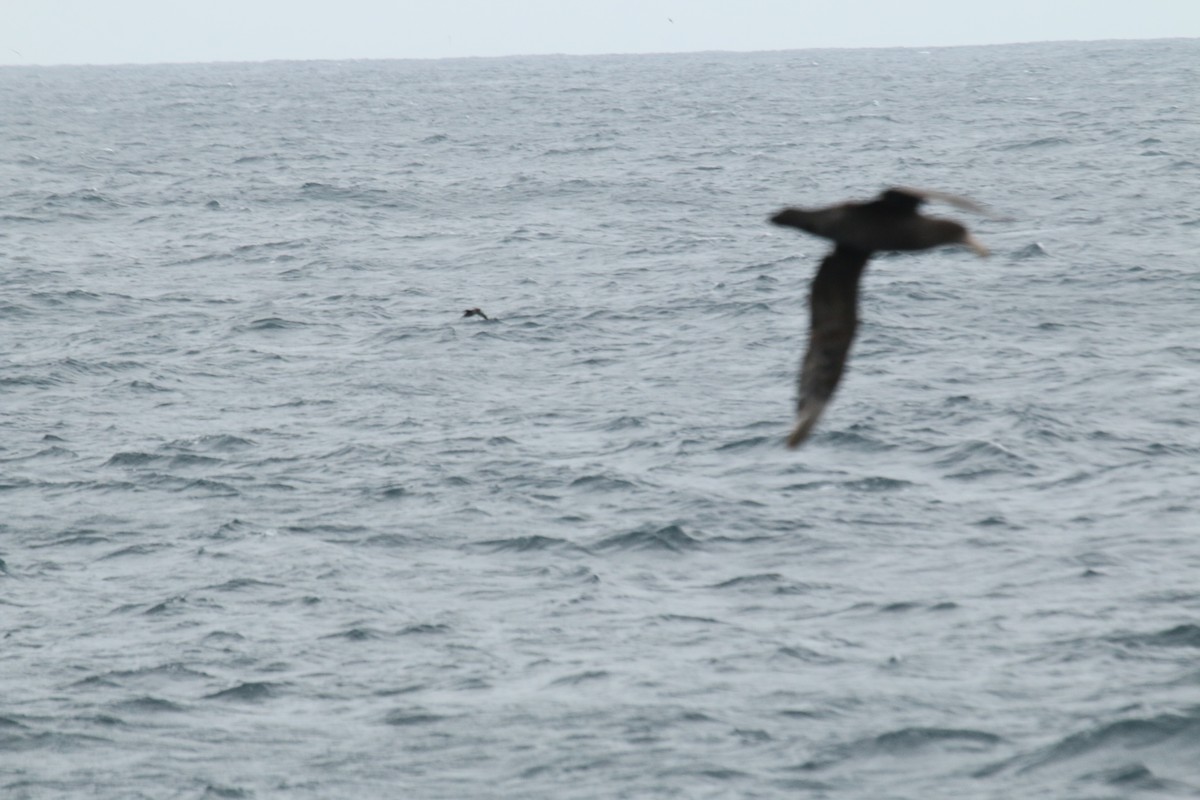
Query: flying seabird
(889, 222)
(475, 312)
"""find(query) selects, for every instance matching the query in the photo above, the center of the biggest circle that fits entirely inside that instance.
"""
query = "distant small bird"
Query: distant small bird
(889, 222)
(475, 312)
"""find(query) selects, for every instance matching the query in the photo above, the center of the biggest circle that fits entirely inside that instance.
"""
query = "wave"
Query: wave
(671, 538)
(1031, 250)
(249, 692)
(150, 705)
(1168, 742)
(601, 483)
(526, 544)
(1043, 142)
(1183, 635)
(913, 743)
(411, 717)
(976, 459)
(274, 324)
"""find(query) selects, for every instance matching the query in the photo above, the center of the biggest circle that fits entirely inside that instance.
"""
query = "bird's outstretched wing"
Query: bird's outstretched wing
(909, 198)
(834, 306)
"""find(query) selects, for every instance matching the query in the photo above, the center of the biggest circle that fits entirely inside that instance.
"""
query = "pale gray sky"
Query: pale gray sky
(147, 31)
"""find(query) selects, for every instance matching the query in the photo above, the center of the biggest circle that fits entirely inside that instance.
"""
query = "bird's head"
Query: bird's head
(824, 222)
(795, 218)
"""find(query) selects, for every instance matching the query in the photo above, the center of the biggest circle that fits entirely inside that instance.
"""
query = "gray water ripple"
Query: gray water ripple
(275, 519)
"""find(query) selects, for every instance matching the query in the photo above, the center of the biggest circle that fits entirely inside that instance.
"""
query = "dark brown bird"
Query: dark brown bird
(889, 222)
(475, 312)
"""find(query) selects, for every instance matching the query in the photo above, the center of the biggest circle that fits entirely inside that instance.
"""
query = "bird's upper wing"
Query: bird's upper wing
(834, 307)
(909, 198)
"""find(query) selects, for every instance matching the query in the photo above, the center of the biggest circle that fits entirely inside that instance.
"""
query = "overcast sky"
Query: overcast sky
(147, 31)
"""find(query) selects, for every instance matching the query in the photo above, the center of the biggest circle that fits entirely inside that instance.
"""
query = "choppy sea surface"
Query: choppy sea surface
(277, 522)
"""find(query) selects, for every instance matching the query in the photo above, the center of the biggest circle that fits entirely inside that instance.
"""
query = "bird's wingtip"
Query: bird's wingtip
(933, 195)
(804, 424)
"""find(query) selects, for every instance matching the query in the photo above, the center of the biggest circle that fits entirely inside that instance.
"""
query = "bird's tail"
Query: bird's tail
(810, 412)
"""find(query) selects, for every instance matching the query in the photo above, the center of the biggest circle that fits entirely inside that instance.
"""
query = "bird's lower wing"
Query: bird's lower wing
(834, 306)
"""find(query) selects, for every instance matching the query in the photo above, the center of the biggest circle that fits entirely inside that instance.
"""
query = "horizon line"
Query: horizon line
(581, 55)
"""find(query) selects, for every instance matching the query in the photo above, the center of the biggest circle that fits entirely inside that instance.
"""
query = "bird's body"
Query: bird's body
(858, 230)
(475, 312)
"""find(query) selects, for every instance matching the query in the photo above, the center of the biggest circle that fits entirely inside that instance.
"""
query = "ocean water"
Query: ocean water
(277, 522)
